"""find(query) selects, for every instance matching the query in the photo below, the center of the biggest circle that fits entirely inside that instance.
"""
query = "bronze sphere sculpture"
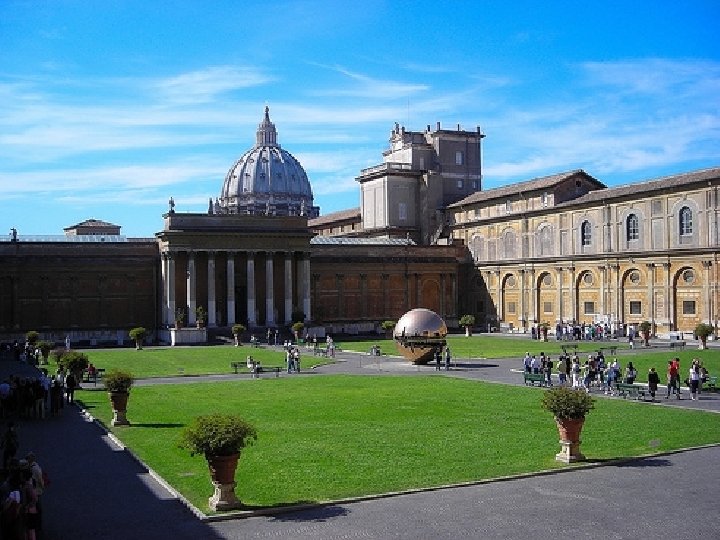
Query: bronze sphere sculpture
(419, 333)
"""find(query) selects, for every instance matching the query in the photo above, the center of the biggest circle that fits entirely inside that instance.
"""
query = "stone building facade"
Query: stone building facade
(565, 248)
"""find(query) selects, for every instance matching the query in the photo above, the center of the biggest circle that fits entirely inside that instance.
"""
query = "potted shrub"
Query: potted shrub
(74, 362)
(201, 313)
(45, 348)
(702, 331)
(118, 384)
(467, 322)
(296, 329)
(220, 438)
(138, 334)
(32, 337)
(645, 329)
(569, 407)
(543, 328)
(179, 317)
(388, 326)
(237, 331)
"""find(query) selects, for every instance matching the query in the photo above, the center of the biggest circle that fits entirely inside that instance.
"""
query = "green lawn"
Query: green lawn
(200, 360)
(330, 437)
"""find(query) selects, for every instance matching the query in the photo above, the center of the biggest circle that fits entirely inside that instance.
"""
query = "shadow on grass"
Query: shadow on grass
(158, 425)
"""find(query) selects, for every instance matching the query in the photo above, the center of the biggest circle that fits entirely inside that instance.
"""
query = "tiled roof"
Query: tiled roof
(648, 186)
(535, 184)
(342, 215)
(91, 223)
(343, 241)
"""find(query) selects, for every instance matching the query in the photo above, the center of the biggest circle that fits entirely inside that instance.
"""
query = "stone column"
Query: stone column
(191, 288)
(212, 306)
(306, 286)
(288, 287)
(163, 287)
(500, 299)
(269, 290)
(533, 297)
(170, 288)
(559, 310)
(707, 318)
(651, 293)
(251, 306)
(523, 310)
(230, 288)
(603, 277)
(670, 298)
(573, 295)
(386, 295)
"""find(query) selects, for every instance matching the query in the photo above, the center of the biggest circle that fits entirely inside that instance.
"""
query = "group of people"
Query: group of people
(605, 375)
(292, 358)
(22, 483)
(439, 355)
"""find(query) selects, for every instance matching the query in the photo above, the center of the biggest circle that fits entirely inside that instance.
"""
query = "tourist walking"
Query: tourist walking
(673, 378)
(694, 380)
(630, 373)
(653, 382)
(448, 357)
(9, 443)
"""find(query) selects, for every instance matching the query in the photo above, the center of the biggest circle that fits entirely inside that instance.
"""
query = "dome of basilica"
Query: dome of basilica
(267, 180)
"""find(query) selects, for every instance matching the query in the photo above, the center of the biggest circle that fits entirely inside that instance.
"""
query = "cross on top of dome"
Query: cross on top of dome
(266, 133)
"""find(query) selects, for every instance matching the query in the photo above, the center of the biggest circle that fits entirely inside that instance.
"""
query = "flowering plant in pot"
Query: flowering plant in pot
(569, 407)
(118, 384)
(138, 334)
(467, 322)
(220, 438)
(237, 332)
(702, 331)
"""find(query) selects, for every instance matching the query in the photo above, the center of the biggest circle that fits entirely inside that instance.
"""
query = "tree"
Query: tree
(74, 362)
(32, 337)
(388, 326)
(702, 331)
(237, 331)
(138, 334)
(645, 329)
(467, 321)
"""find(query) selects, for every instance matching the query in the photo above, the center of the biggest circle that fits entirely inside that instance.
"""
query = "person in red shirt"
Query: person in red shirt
(673, 375)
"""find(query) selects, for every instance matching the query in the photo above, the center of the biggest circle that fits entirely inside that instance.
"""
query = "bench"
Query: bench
(711, 384)
(320, 351)
(631, 390)
(532, 378)
(677, 345)
(94, 378)
(261, 369)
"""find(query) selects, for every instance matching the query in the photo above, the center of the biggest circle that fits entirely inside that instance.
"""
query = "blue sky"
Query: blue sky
(108, 108)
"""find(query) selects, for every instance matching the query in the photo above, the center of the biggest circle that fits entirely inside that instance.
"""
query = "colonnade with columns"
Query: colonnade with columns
(235, 286)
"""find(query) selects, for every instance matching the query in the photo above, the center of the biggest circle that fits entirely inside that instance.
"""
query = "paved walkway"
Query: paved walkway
(100, 491)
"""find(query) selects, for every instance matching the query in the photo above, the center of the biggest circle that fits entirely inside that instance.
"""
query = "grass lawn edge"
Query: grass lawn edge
(284, 509)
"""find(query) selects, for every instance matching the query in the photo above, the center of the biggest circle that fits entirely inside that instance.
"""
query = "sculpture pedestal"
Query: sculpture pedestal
(570, 452)
(224, 497)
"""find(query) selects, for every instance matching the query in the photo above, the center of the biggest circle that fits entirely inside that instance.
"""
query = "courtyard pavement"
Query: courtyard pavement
(99, 490)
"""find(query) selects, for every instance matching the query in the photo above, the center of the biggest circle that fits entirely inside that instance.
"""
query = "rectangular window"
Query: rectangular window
(475, 184)
(458, 158)
(589, 308)
(477, 212)
(511, 307)
(635, 307)
(460, 184)
(547, 307)
(402, 211)
(688, 307)
(544, 199)
(508, 207)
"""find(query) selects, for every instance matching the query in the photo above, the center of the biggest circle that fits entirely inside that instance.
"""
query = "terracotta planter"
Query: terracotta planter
(569, 430)
(222, 472)
(119, 402)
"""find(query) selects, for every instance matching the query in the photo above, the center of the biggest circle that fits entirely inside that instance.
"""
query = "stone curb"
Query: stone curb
(271, 511)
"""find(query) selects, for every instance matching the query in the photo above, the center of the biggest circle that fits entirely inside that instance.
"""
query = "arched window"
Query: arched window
(586, 233)
(686, 224)
(633, 227)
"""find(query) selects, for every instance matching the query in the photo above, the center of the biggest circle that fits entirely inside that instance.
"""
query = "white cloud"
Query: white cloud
(205, 85)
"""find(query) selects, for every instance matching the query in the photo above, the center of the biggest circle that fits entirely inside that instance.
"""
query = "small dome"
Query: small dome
(267, 180)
